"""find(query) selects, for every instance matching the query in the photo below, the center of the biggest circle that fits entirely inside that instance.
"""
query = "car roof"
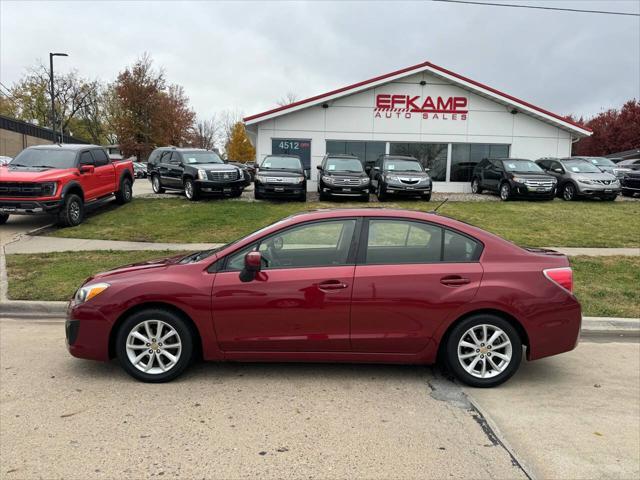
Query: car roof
(282, 155)
(180, 149)
(402, 157)
(341, 155)
(65, 146)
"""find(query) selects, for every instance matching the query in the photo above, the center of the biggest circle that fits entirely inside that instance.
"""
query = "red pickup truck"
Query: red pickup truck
(61, 180)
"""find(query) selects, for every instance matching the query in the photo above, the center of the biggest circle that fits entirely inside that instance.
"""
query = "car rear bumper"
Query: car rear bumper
(558, 332)
(30, 207)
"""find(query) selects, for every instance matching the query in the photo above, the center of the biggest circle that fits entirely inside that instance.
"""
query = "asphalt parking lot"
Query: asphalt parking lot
(574, 415)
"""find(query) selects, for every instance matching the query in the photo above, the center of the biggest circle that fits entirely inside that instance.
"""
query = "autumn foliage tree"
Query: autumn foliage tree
(613, 131)
(238, 147)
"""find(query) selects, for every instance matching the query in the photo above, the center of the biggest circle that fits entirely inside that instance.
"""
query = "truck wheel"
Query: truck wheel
(191, 190)
(303, 197)
(505, 191)
(3, 218)
(125, 194)
(382, 196)
(72, 212)
(156, 185)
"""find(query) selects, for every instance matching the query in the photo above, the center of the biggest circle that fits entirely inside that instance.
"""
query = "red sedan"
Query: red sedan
(360, 285)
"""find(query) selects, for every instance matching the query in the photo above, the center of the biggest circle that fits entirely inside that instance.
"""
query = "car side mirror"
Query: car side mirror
(252, 265)
(86, 169)
(558, 170)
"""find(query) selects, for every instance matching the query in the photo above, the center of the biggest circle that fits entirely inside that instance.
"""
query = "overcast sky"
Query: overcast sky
(245, 56)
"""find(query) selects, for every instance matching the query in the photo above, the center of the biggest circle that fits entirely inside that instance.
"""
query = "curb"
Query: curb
(629, 327)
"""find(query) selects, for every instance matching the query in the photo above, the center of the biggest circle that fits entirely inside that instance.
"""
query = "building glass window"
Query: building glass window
(465, 156)
(432, 156)
(367, 152)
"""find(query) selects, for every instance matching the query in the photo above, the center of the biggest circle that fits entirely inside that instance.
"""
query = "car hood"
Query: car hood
(28, 174)
(215, 167)
(137, 267)
(606, 168)
(279, 173)
(344, 174)
(594, 176)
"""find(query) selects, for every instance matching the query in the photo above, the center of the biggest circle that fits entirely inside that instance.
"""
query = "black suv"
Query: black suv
(342, 176)
(195, 171)
(399, 176)
(281, 176)
(513, 177)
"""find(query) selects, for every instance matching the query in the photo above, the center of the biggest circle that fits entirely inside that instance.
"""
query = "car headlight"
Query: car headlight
(393, 178)
(202, 174)
(519, 179)
(425, 180)
(615, 181)
(299, 179)
(584, 180)
(260, 178)
(86, 293)
(327, 179)
(49, 189)
(364, 181)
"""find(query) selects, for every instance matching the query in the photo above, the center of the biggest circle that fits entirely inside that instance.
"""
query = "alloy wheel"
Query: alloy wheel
(74, 211)
(474, 186)
(505, 191)
(153, 347)
(188, 189)
(484, 351)
(568, 192)
(156, 184)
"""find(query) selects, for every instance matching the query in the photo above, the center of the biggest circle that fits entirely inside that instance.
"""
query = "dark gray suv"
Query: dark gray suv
(579, 178)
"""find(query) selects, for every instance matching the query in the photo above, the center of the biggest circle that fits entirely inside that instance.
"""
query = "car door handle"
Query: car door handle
(332, 285)
(454, 281)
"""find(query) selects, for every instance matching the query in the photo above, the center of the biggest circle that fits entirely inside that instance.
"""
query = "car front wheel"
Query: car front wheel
(475, 186)
(505, 191)
(72, 212)
(483, 351)
(191, 190)
(569, 192)
(156, 185)
(154, 345)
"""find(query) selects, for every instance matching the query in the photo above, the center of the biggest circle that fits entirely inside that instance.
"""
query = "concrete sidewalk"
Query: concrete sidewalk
(43, 244)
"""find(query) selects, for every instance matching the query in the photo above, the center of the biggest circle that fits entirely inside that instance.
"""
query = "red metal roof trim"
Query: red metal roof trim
(408, 69)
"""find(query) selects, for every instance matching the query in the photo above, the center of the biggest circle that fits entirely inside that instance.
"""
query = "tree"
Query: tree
(174, 119)
(239, 147)
(288, 99)
(613, 131)
(206, 133)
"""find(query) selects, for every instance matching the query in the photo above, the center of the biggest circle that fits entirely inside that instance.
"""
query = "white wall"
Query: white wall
(352, 118)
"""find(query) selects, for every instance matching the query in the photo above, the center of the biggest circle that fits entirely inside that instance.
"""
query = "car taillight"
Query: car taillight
(560, 276)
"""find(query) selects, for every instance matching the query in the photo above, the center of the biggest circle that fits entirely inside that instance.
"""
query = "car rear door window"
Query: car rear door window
(402, 241)
(318, 244)
(86, 159)
(460, 248)
(100, 157)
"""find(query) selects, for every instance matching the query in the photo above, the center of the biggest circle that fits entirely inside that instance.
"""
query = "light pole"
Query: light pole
(53, 104)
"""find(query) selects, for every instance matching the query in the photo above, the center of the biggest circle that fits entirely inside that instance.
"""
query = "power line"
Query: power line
(601, 12)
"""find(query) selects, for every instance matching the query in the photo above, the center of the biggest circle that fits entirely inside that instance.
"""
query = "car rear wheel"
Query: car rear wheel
(626, 193)
(505, 191)
(483, 351)
(156, 185)
(3, 218)
(72, 212)
(569, 192)
(154, 345)
(475, 186)
(426, 197)
(191, 190)
(382, 196)
(125, 194)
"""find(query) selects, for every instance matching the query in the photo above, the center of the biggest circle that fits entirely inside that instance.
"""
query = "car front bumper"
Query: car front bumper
(345, 191)
(281, 189)
(399, 190)
(206, 186)
(28, 206)
(598, 190)
(523, 190)
(87, 332)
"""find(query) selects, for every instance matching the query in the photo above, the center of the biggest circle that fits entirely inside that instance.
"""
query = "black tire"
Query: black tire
(454, 363)
(236, 194)
(302, 197)
(365, 198)
(475, 186)
(505, 192)
(323, 197)
(569, 192)
(3, 218)
(125, 194)
(426, 197)
(382, 196)
(626, 193)
(610, 198)
(178, 324)
(256, 195)
(72, 212)
(156, 184)
(191, 190)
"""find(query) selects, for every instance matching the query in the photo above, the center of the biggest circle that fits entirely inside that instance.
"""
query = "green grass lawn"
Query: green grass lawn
(56, 276)
(557, 223)
(606, 286)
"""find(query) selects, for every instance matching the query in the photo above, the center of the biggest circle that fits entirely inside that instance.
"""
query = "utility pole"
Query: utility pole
(53, 103)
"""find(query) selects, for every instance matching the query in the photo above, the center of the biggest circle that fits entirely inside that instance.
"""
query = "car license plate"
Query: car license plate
(278, 189)
(542, 190)
(608, 191)
(346, 189)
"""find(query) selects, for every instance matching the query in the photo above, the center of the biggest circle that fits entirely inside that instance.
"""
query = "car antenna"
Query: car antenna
(435, 210)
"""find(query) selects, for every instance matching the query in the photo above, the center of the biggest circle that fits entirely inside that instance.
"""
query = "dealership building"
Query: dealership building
(447, 121)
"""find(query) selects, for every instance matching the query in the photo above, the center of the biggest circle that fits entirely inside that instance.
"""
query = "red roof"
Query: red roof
(409, 69)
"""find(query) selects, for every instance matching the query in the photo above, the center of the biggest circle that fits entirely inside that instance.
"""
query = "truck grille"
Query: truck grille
(224, 176)
(21, 189)
(409, 181)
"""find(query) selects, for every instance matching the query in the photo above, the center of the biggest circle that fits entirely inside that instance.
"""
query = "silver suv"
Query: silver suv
(580, 178)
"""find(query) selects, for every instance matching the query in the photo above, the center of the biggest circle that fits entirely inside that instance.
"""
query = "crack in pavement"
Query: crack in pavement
(444, 389)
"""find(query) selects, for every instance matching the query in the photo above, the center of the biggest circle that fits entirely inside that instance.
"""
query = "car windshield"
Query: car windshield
(580, 166)
(281, 163)
(201, 157)
(344, 165)
(45, 158)
(601, 161)
(522, 166)
(401, 165)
